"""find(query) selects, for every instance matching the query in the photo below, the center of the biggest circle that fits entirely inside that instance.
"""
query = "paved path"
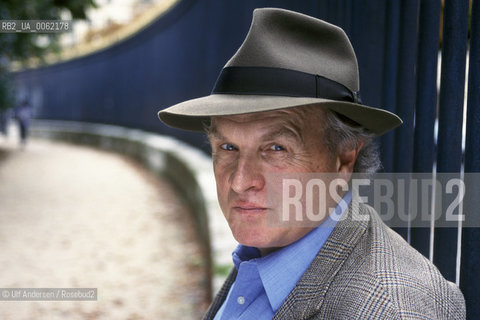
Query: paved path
(73, 216)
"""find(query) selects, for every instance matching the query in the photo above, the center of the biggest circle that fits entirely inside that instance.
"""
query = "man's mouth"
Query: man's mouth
(249, 208)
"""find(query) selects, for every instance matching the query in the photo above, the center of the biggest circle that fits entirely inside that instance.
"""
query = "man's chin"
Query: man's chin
(252, 239)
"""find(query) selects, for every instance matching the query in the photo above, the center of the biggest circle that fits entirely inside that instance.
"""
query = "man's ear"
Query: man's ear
(347, 157)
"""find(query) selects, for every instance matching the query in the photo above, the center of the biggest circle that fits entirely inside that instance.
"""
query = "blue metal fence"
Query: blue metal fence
(405, 97)
(470, 256)
(389, 92)
(450, 119)
(426, 103)
(178, 57)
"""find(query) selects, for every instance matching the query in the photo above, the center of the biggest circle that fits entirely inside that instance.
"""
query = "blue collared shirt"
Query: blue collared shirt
(263, 283)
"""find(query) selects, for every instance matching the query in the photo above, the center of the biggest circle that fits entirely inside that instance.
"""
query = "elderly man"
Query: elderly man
(287, 103)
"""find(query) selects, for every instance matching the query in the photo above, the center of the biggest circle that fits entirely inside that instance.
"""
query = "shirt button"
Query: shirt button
(241, 300)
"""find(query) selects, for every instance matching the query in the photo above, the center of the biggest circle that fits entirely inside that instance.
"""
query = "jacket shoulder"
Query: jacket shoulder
(384, 277)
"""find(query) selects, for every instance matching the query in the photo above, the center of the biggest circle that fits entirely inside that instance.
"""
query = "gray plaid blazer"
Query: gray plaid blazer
(366, 271)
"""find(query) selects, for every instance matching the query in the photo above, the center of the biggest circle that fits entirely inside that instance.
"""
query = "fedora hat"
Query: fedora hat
(287, 60)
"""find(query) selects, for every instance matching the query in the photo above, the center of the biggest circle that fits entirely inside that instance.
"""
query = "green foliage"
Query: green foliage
(22, 46)
(222, 270)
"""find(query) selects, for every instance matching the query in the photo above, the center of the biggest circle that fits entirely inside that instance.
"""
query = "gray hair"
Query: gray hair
(340, 132)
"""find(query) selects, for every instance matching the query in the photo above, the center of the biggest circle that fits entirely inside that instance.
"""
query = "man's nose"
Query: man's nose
(247, 175)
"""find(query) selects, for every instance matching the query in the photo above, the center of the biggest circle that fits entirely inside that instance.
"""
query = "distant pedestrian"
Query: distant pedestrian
(3, 122)
(23, 114)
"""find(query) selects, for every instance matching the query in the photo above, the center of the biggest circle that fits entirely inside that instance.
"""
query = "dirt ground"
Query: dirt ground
(76, 217)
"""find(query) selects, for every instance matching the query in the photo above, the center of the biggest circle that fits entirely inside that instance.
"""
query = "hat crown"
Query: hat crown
(287, 60)
(289, 40)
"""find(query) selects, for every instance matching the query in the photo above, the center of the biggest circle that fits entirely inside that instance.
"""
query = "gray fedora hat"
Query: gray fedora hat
(287, 60)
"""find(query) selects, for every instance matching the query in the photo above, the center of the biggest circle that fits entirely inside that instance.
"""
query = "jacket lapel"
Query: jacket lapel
(221, 296)
(307, 297)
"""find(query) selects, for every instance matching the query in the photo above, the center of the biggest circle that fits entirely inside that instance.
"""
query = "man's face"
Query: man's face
(247, 147)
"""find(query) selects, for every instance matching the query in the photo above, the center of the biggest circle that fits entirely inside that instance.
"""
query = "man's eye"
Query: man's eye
(277, 147)
(228, 147)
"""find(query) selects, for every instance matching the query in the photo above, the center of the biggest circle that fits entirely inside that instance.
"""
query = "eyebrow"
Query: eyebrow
(284, 131)
(213, 133)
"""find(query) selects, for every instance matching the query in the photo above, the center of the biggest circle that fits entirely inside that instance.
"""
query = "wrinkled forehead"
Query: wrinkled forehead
(300, 122)
(296, 116)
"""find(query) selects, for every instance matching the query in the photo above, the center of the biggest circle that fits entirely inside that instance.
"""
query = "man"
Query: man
(287, 103)
(23, 115)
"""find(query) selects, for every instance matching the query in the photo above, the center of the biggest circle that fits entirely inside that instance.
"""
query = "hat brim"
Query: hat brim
(194, 114)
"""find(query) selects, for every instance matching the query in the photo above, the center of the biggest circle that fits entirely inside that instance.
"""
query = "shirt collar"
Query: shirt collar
(281, 269)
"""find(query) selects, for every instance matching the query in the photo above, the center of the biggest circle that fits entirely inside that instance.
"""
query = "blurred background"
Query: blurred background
(102, 83)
